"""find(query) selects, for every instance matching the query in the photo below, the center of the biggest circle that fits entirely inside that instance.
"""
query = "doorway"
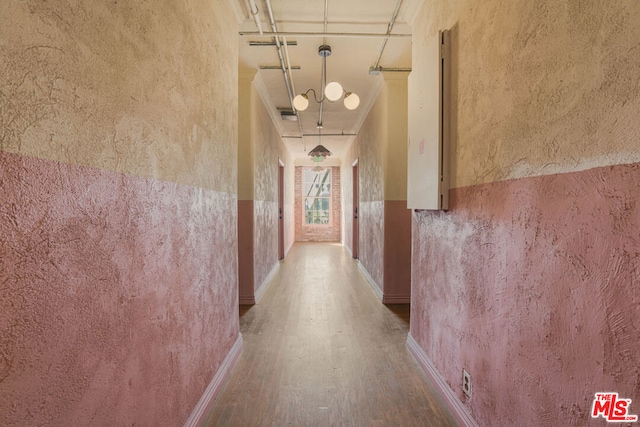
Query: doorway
(280, 210)
(356, 228)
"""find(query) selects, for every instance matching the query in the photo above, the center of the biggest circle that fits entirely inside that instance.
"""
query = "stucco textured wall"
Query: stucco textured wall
(118, 297)
(538, 87)
(532, 286)
(259, 157)
(368, 148)
(384, 248)
(118, 218)
(99, 85)
(269, 150)
(346, 179)
(530, 280)
(265, 239)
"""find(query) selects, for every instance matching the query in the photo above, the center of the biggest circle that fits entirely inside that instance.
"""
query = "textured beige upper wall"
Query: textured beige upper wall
(396, 150)
(268, 150)
(539, 87)
(246, 160)
(369, 148)
(381, 143)
(144, 88)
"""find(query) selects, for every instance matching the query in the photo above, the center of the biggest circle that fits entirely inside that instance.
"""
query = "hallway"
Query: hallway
(321, 350)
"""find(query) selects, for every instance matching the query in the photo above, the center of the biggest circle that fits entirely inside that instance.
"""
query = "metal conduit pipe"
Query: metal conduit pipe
(254, 11)
(287, 82)
(293, 88)
(389, 28)
(286, 54)
(326, 34)
(279, 49)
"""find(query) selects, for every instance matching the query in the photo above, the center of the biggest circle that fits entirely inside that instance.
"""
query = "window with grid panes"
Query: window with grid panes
(317, 196)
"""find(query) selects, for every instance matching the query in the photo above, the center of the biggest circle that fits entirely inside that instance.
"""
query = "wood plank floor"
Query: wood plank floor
(321, 350)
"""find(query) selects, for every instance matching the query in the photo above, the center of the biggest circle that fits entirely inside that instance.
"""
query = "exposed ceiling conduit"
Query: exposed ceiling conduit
(288, 82)
(389, 29)
(325, 34)
(286, 54)
(254, 11)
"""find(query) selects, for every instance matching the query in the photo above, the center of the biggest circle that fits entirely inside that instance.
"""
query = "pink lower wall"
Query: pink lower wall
(118, 297)
(371, 240)
(397, 253)
(384, 247)
(533, 286)
(257, 246)
(245, 253)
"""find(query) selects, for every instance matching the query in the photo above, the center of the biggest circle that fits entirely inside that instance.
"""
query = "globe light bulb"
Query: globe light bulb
(333, 91)
(301, 102)
(351, 101)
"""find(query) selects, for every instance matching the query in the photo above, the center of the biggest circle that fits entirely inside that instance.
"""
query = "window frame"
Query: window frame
(329, 197)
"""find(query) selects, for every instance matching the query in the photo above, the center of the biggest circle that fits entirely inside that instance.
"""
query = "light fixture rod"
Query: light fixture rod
(323, 83)
(326, 19)
(324, 55)
(325, 34)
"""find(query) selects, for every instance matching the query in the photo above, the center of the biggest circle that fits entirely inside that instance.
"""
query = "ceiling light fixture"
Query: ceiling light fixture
(319, 153)
(331, 92)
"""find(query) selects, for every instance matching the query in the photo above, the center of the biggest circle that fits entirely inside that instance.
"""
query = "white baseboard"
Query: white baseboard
(266, 282)
(199, 413)
(459, 410)
(372, 282)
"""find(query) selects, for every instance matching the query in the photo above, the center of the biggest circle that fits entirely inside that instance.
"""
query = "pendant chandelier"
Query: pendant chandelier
(331, 92)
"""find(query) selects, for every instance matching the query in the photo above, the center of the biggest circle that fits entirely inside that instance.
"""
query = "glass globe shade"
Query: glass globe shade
(301, 102)
(351, 101)
(333, 91)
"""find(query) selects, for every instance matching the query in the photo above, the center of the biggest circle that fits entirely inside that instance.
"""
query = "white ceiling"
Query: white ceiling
(349, 63)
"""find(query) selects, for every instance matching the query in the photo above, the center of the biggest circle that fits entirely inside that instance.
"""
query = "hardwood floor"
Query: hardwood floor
(321, 350)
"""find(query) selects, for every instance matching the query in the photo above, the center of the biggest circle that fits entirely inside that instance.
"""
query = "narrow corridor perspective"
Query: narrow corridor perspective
(321, 350)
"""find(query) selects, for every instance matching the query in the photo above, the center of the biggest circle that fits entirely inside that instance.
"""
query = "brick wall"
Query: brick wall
(318, 233)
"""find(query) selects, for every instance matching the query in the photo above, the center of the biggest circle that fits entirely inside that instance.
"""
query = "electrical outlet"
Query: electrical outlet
(466, 383)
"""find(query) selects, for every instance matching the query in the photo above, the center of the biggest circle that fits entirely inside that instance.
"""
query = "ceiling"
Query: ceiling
(350, 62)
